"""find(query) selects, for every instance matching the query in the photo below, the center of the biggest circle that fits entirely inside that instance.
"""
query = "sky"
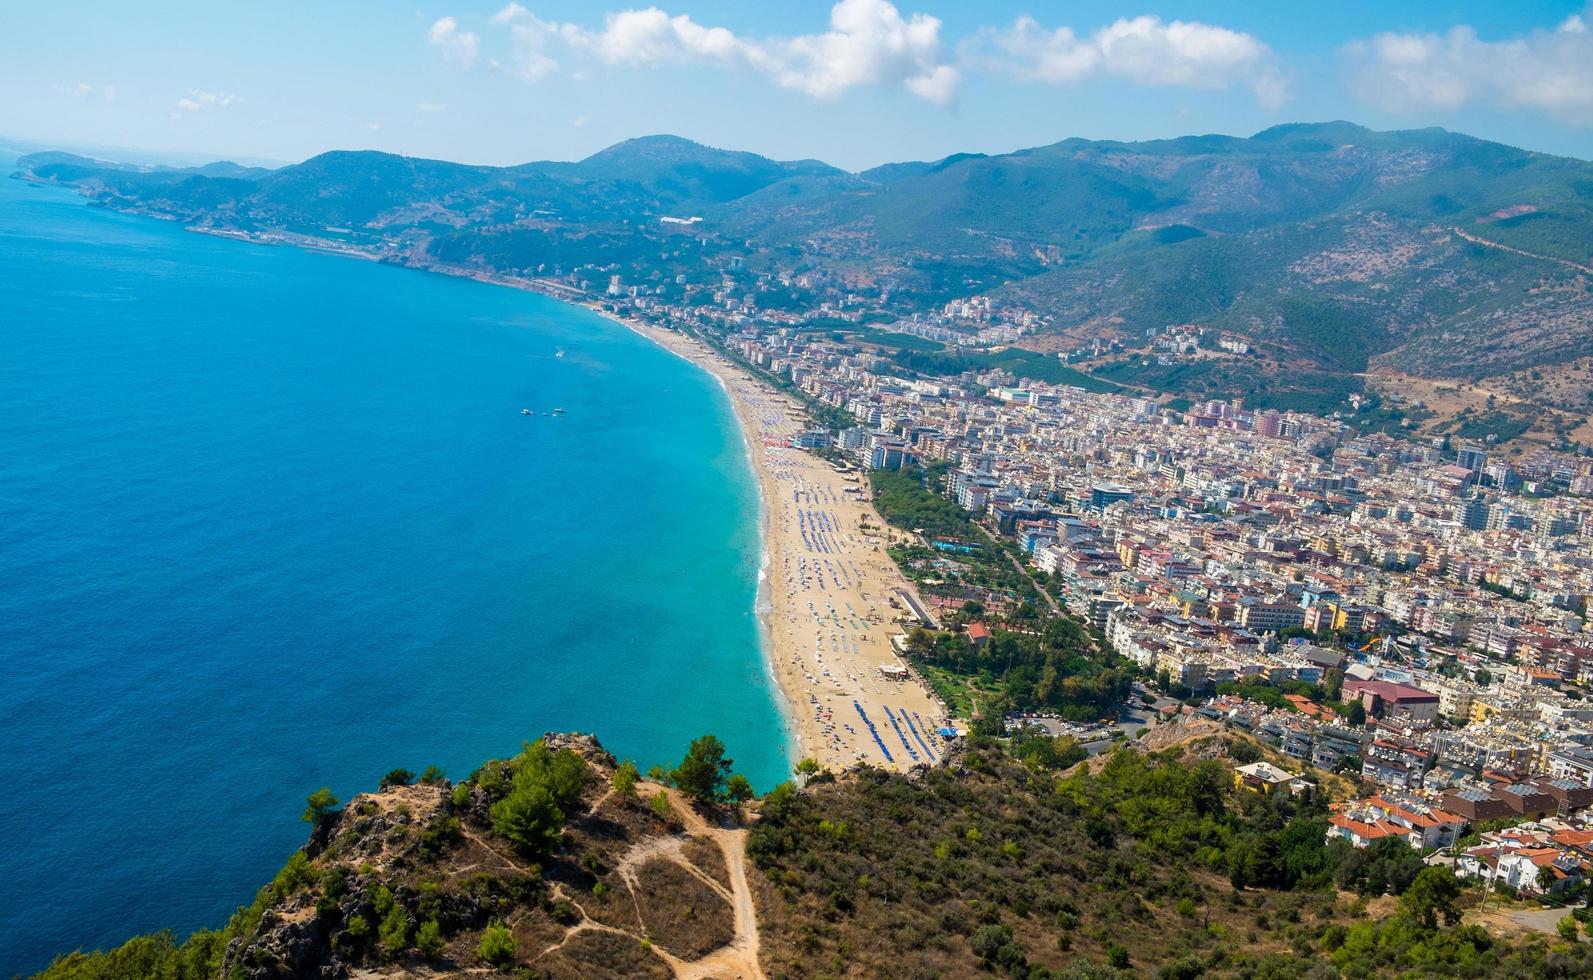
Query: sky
(855, 83)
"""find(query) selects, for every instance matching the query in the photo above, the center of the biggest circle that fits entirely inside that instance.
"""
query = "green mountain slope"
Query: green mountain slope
(1334, 249)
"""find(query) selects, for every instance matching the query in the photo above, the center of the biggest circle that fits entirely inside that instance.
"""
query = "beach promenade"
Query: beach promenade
(827, 600)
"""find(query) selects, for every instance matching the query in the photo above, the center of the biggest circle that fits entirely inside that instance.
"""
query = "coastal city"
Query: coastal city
(1411, 615)
(857, 489)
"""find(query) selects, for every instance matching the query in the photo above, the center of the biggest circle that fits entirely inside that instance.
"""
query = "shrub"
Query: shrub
(394, 930)
(1567, 929)
(497, 945)
(625, 779)
(428, 940)
(397, 777)
(987, 941)
(659, 804)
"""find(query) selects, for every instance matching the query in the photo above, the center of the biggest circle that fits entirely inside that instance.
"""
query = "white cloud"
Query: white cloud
(429, 107)
(83, 90)
(578, 122)
(939, 85)
(198, 101)
(509, 13)
(869, 42)
(456, 45)
(1550, 70)
(1144, 50)
(652, 37)
(531, 37)
(373, 126)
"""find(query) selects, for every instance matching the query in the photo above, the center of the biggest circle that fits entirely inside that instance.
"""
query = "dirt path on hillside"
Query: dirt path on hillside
(1579, 267)
(740, 957)
(736, 959)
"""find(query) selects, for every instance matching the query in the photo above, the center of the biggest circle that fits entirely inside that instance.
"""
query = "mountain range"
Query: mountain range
(1336, 252)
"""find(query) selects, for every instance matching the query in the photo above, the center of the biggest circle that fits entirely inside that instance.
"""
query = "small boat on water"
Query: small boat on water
(559, 353)
(526, 411)
(558, 411)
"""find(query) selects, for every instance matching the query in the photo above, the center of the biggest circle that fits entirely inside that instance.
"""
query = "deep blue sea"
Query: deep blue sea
(271, 520)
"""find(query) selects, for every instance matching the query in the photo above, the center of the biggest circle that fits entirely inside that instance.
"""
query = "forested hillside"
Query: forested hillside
(563, 863)
(1335, 250)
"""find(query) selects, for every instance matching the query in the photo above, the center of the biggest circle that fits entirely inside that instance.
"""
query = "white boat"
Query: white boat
(526, 411)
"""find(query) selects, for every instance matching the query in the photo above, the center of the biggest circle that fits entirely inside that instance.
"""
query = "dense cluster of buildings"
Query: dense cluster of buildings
(1446, 590)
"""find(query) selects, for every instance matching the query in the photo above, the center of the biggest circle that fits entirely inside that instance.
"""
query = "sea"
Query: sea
(272, 520)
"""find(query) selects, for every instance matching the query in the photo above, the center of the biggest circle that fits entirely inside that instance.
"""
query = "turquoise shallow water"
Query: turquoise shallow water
(271, 520)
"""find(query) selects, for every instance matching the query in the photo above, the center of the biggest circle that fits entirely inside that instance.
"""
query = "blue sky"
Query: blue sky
(855, 83)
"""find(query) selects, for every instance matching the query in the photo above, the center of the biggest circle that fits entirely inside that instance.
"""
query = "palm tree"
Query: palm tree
(1546, 878)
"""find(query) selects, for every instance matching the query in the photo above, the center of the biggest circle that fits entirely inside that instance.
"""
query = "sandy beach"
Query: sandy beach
(828, 598)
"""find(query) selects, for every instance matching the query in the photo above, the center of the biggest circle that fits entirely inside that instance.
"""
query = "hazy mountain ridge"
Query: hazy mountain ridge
(1101, 238)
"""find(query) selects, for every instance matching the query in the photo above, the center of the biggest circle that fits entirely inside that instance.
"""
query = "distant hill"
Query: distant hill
(66, 167)
(1333, 249)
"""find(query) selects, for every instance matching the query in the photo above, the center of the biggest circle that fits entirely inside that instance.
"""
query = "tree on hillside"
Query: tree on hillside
(319, 805)
(739, 789)
(530, 817)
(1567, 929)
(702, 773)
(563, 773)
(544, 786)
(396, 777)
(1432, 893)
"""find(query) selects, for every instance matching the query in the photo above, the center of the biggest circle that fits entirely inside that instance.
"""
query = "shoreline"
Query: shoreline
(835, 701)
(825, 559)
(762, 599)
(837, 734)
